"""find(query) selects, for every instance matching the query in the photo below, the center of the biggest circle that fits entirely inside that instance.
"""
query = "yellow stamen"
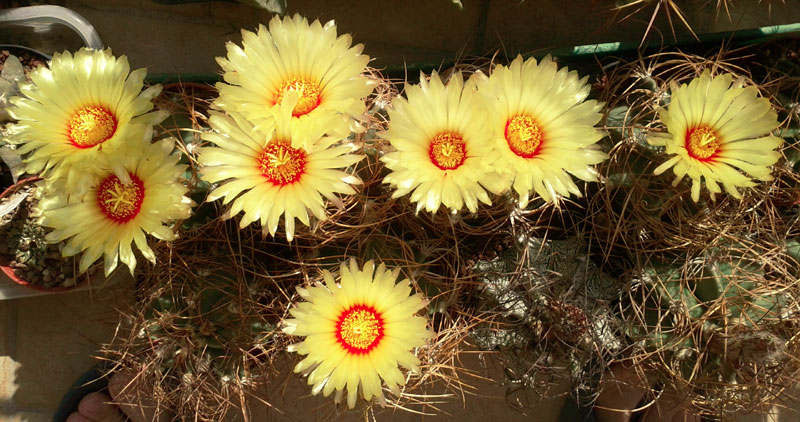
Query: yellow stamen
(281, 164)
(448, 151)
(120, 202)
(360, 329)
(309, 94)
(91, 126)
(524, 136)
(702, 142)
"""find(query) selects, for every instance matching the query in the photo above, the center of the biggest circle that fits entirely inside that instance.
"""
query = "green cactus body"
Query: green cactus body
(203, 321)
(712, 313)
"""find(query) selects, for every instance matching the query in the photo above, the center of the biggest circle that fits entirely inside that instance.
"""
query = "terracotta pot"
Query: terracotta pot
(9, 272)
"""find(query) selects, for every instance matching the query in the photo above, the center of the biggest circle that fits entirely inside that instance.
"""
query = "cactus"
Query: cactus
(204, 324)
(710, 305)
(199, 337)
(716, 317)
(553, 312)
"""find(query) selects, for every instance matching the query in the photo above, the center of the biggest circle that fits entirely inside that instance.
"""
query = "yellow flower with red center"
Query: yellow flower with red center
(305, 64)
(718, 132)
(81, 106)
(357, 332)
(542, 127)
(442, 145)
(262, 174)
(116, 213)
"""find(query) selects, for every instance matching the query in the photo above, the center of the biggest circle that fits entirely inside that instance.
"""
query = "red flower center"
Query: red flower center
(702, 143)
(359, 329)
(448, 151)
(309, 94)
(120, 202)
(91, 126)
(524, 136)
(281, 164)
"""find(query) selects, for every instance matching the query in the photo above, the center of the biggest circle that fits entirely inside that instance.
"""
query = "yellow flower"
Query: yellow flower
(266, 177)
(113, 215)
(357, 332)
(716, 126)
(81, 107)
(542, 127)
(442, 144)
(304, 64)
